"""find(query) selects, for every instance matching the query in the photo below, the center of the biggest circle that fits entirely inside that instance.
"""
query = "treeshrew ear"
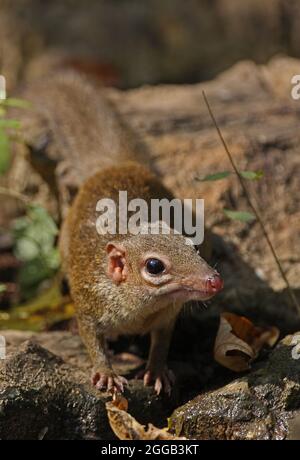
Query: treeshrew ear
(117, 268)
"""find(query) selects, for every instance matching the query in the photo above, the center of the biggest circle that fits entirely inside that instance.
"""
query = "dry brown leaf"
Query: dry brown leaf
(120, 402)
(239, 341)
(128, 428)
(123, 424)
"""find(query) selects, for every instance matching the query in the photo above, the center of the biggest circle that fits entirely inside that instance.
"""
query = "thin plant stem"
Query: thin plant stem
(255, 212)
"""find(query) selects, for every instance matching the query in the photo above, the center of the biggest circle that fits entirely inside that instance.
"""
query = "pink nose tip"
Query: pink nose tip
(214, 283)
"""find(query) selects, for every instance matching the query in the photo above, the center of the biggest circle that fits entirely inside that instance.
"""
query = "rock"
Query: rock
(47, 395)
(265, 404)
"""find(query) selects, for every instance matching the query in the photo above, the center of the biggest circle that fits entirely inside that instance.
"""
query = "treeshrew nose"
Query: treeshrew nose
(214, 283)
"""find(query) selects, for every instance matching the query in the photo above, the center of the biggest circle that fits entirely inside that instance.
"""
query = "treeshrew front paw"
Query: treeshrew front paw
(108, 381)
(162, 381)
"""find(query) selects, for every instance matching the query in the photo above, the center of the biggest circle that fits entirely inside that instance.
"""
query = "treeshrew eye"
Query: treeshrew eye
(155, 266)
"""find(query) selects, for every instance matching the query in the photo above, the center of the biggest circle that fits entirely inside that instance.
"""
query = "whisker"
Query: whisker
(185, 312)
(193, 306)
(187, 308)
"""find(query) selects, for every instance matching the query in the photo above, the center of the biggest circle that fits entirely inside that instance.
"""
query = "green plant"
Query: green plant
(35, 245)
(8, 130)
(243, 216)
(34, 233)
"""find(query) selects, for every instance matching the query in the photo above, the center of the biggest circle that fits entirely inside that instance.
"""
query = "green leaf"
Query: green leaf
(52, 259)
(6, 123)
(42, 222)
(33, 273)
(4, 152)
(15, 102)
(213, 177)
(252, 175)
(26, 249)
(242, 216)
(35, 245)
(2, 288)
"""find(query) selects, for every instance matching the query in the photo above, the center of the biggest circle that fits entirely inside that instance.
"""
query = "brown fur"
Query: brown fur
(104, 308)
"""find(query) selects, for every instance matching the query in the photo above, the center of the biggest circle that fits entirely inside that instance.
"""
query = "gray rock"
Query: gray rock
(43, 396)
(265, 404)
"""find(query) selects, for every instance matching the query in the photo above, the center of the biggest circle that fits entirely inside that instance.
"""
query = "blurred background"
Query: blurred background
(129, 43)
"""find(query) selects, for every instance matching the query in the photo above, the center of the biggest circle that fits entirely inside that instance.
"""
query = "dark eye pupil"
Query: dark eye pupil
(155, 266)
